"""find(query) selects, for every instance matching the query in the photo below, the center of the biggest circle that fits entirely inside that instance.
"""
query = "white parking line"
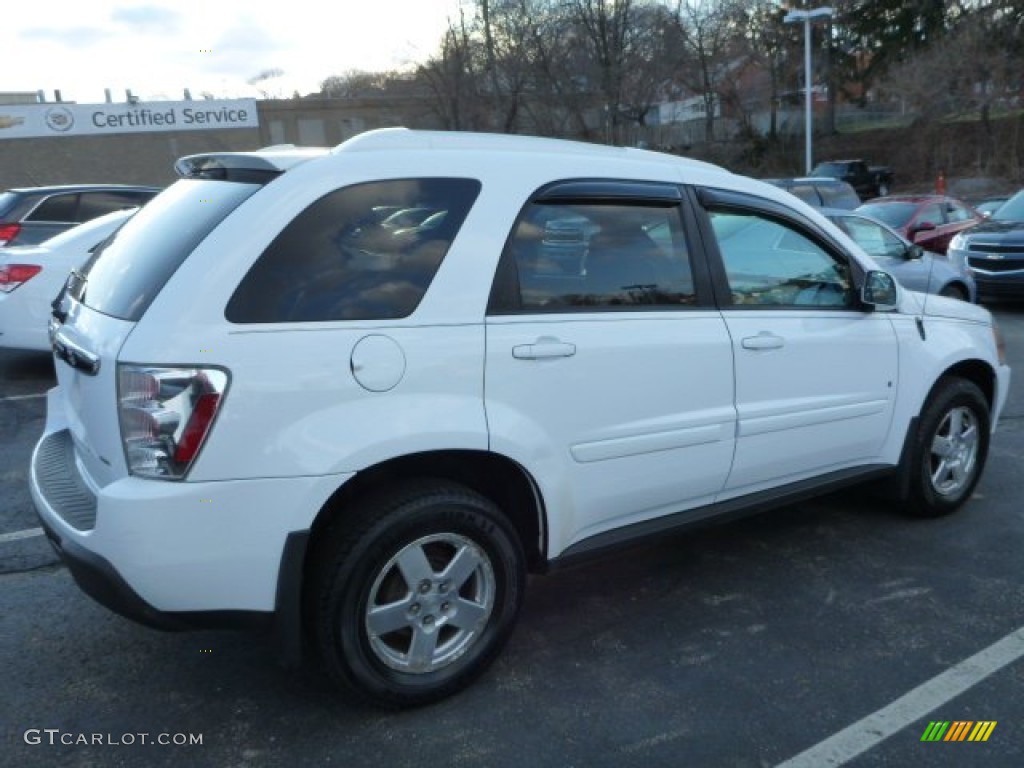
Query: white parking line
(13, 398)
(864, 734)
(28, 533)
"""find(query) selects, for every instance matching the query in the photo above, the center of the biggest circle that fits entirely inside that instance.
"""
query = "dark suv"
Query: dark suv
(30, 215)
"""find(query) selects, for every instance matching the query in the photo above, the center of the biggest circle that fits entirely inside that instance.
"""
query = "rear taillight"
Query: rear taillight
(14, 275)
(8, 232)
(166, 415)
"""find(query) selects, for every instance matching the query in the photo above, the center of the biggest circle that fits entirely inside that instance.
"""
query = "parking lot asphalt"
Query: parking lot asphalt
(828, 633)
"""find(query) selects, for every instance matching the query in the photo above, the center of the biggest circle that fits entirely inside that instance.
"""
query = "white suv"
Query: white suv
(280, 406)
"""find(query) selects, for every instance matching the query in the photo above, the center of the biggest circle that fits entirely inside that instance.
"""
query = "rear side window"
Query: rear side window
(595, 256)
(365, 252)
(55, 208)
(127, 271)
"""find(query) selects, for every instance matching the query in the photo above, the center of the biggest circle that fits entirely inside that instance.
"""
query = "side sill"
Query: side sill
(719, 512)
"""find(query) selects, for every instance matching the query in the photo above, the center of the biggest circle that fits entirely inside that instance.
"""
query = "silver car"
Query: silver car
(916, 268)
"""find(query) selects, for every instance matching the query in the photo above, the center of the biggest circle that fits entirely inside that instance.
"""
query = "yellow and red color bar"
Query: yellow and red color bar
(958, 730)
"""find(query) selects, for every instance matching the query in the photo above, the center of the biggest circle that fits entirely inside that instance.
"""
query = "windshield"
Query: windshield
(128, 270)
(894, 214)
(1012, 209)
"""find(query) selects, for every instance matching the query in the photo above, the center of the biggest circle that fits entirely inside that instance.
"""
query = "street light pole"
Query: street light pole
(807, 17)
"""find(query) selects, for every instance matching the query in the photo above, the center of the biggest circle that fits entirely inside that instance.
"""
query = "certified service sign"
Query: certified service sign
(34, 120)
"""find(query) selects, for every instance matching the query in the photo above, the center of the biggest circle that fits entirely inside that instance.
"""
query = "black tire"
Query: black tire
(954, 291)
(433, 637)
(949, 449)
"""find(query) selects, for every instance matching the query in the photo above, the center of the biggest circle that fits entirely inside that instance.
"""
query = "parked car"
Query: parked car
(931, 221)
(820, 192)
(272, 412)
(30, 215)
(868, 180)
(994, 251)
(32, 275)
(912, 265)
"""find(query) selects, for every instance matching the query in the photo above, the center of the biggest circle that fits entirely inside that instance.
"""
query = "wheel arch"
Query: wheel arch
(976, 371)
(503, 481)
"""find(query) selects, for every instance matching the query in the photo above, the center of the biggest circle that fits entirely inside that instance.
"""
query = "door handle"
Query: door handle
(543, 349)
(763, 340)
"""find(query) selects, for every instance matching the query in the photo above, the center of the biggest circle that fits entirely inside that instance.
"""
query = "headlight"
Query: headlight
(958, 243)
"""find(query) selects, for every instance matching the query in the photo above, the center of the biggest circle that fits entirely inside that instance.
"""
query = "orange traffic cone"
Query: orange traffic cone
(940, 184)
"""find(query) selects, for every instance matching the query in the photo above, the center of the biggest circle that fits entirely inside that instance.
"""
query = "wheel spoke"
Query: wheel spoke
(421, 649)
(384, 619)
(939, 475)
(414, 566)
(956, 422)
(468, 615)
(959, 475)
(462, 566)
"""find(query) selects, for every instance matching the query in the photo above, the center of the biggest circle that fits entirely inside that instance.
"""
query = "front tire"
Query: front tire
(417, 593)
(949, 450)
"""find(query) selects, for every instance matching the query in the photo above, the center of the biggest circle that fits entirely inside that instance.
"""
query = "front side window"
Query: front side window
(365, 252)
(98, 203)
(770, 264)
(596, 256)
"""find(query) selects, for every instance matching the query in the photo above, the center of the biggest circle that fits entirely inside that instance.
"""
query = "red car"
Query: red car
(931, 221)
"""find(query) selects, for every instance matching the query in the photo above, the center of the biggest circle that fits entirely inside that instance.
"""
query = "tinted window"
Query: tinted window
(807, 193)
(957, 212)
(595, 256)
(125, 274)
(768, 263)
(55, 208)
(838, 196)
(340, 260)
(95, 204)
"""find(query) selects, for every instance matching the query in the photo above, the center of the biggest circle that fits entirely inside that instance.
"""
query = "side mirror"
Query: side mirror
(879, 290)
(914, 252)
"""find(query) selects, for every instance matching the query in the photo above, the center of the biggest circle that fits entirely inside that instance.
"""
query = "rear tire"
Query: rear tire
(416, 593)
(949, 449)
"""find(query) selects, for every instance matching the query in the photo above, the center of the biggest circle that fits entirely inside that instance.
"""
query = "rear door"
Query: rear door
(815, 372)
(608, 369)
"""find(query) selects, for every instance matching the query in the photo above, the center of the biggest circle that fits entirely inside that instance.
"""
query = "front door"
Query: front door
(815, 372)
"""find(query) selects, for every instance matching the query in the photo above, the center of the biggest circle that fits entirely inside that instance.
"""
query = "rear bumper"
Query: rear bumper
(177, 555)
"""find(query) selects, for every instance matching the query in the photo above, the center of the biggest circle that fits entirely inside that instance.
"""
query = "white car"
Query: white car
(31, 276)
(273, 411)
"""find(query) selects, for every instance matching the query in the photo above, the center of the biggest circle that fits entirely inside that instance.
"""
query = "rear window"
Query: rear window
(894, 214)
(126, 273)
(7, 201)
(99, 203)
(839, 196)
(365, 252)
(56, 208)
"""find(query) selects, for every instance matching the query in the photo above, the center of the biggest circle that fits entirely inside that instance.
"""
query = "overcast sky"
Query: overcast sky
(157, 48)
